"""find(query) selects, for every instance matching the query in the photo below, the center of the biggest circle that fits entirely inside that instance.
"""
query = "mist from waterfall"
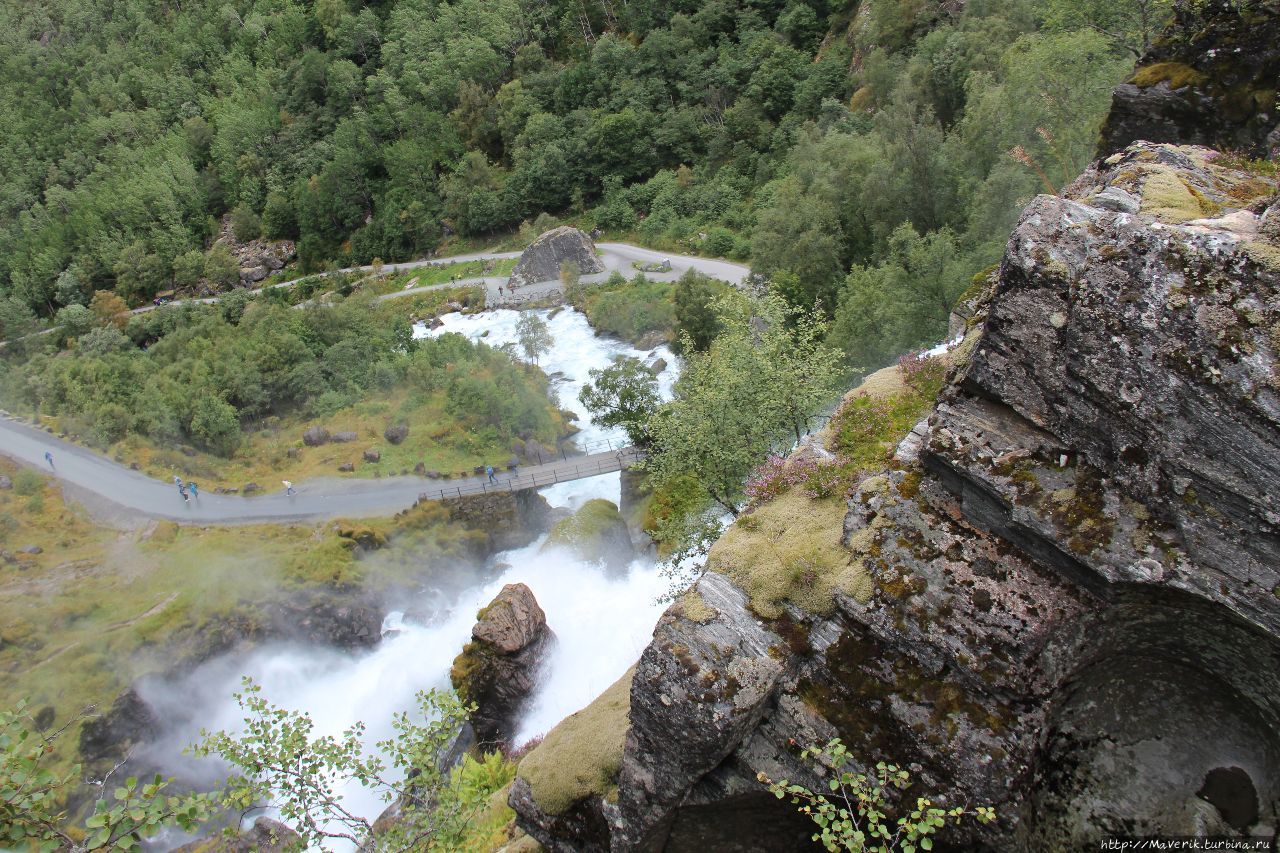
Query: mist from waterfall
(602, 621)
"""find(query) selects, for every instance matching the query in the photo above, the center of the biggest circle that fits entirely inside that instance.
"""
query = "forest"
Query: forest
(865, 157)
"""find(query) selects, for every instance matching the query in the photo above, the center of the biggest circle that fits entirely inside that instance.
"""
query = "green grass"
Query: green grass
(441, 441)
(442, 274)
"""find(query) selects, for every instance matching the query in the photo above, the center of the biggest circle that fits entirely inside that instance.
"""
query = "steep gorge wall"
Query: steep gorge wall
(1075, 614)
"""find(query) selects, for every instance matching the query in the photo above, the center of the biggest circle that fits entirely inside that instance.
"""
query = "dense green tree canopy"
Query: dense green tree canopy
(800, 134)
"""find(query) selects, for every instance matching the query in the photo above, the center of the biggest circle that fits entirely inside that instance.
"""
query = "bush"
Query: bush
(245, 224)
(75, 320)
(27, 482)
(214, 425)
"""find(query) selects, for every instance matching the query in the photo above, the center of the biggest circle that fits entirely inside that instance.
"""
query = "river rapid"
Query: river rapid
(602, 622)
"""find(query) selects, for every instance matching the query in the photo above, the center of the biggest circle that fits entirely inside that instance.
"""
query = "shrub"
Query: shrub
(245, 224)
(860, 817)
(27, 482)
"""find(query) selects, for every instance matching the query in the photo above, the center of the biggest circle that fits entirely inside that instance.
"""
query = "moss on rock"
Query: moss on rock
(693, 607)
(1169, 199)
(1176, 74)
(596, 532)
(791, 553)
(581, 756)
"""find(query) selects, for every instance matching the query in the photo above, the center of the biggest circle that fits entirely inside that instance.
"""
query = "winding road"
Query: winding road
(619, 257)
(114, 489)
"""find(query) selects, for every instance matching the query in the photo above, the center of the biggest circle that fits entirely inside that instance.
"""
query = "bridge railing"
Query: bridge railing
(562, 472)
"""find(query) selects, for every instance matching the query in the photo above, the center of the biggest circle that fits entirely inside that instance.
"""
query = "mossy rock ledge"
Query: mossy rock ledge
(597, 533)
(498, 669)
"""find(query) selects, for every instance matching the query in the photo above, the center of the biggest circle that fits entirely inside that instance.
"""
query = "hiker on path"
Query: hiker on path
(177, 481)
(194, 489)
(182, 490)
(288, 488)
(48, 457)
(488, 469)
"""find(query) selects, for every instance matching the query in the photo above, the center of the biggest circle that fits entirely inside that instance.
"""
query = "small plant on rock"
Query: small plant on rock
(856, 817)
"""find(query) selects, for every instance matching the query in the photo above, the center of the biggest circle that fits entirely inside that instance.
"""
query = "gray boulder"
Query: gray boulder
(315, 436)
(396, 433)
(5, 482)
(347, 467)
(372, 455)
(343, 437)
(498, 669)
(253, 274)
(544, 258)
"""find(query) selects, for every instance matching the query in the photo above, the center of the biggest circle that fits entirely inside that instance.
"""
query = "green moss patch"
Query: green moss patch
(591, 531)
(1170, 199)
(581, 756)
(1176, 74)
(791, 552)
(692, 606)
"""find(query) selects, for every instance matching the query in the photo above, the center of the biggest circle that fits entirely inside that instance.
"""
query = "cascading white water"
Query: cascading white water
(602, 622)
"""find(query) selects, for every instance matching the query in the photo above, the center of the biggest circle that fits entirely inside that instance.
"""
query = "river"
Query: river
(602, 622)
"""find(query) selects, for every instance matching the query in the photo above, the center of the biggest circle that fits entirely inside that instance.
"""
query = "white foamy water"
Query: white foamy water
(602, 622)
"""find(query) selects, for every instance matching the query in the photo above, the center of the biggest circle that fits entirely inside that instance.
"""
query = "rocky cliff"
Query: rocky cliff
(1212, 79)
(1062, 597)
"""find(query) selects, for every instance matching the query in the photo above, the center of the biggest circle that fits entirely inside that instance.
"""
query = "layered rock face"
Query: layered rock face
(1212, 79)
(546, 255)
(498, 670)
(1074, 603)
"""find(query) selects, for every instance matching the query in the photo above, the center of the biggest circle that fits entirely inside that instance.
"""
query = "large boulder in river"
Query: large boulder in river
(498, 669)
(112, 735)
(597, 532)
(266, 836)
(546, 255)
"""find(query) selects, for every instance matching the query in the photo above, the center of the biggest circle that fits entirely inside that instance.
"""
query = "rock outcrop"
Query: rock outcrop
(265, 836)
(498, 670)
(1212, 80)
(597, 533)
(545, 257)
(1063, 597)
(257, 258)
(506, 519)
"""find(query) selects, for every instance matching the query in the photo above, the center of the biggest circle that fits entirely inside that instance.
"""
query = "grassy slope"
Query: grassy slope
(100, 607)
(436, 438)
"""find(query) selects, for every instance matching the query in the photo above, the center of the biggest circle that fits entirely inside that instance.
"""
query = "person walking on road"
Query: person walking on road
(48, 457)
(194, 489)
(177, 481)
(182, 490)
(288, 488)
(488, 469)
